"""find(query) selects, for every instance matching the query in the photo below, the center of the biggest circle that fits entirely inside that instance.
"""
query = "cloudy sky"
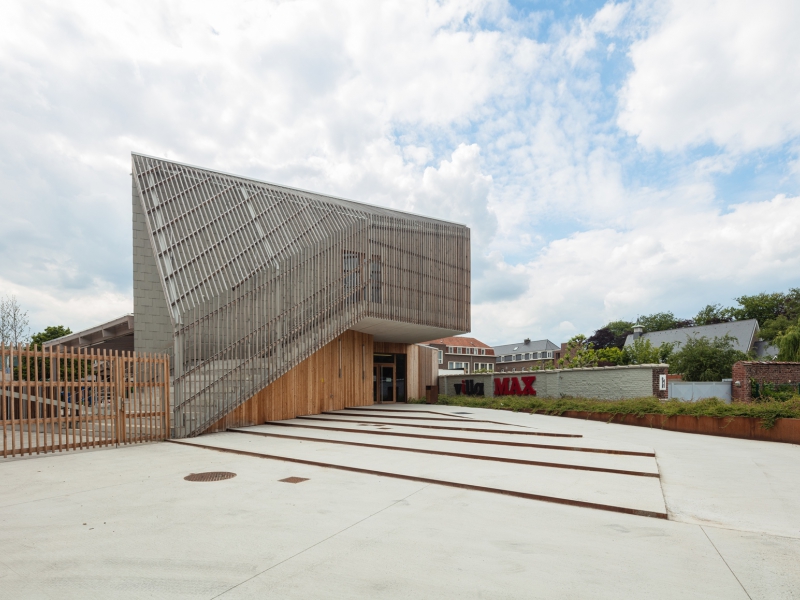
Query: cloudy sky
(612, 159)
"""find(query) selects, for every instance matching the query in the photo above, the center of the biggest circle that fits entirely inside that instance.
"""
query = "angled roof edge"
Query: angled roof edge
(357, 203)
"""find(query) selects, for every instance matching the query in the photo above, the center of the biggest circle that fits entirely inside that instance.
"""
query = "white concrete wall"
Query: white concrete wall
(606, 383)
(152, 326)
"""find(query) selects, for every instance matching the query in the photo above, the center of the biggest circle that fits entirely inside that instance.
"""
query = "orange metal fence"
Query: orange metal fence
(64, 399)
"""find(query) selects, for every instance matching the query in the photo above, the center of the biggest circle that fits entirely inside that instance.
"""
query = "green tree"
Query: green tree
(642, 352)
(611, 335)
(701, 359)
(612, 355)
(762, 307)
(579, 353)
(713, 313)
(658, 321)
(49, 333)
(789, 344)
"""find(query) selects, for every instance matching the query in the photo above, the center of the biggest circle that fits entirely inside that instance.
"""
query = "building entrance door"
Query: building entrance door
(384, 383)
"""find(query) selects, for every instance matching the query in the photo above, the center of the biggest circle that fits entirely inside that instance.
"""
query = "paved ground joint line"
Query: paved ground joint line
(534, 463)
(472, 440)
(541, 433)
(453, 484)
(314, 545)
(726, 563)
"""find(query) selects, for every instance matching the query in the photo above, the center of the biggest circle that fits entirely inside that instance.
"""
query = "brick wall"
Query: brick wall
(657, 373)
(761, 372)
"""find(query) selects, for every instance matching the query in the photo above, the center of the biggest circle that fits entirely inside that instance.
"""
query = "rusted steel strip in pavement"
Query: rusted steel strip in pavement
(516, 461)
(464, 486)
(461, 420)
(563, 435)
(401, 410)
(474, 441)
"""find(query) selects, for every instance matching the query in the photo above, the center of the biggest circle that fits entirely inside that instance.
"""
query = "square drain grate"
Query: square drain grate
(294, 479)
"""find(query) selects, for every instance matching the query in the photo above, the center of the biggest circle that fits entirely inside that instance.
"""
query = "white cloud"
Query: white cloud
(716, 71)
(449, 108)
(666, 262)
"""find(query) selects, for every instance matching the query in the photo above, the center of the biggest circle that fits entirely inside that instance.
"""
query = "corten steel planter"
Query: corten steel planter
(784, 430)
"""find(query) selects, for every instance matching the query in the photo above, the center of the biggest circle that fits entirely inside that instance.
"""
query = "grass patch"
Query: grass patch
(767, 411)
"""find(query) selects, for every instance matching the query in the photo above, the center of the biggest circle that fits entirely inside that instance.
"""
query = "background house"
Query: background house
(745, 333)
(464, 353)
(526, 355)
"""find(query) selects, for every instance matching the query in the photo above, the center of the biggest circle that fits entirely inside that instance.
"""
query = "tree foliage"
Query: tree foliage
(49, 333)
(701, 359)
(713, 314)
(662, 321)
(642, 352)
(580, 352)
(789, 344)
(611, 335)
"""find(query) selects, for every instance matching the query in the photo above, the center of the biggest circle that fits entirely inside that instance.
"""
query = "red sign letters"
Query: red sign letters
(509, 386)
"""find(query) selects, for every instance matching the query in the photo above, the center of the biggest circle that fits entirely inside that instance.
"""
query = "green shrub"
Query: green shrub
(767, 410)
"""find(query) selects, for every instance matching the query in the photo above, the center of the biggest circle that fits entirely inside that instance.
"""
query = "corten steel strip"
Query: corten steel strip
(535, 463)
(475, 441)
(444, 418)
(401, 410)
(562, 435)
(465, 486)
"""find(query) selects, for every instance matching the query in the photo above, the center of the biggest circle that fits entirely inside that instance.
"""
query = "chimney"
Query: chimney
(638, 330)
(527, 341)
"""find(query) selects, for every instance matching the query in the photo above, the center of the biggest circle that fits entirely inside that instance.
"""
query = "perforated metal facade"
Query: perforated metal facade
(257, 277)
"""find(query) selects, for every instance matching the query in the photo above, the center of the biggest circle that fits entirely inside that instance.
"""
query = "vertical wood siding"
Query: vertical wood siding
(313, 386)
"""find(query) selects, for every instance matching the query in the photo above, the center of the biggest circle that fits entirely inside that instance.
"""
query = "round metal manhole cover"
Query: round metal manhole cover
(210, 476)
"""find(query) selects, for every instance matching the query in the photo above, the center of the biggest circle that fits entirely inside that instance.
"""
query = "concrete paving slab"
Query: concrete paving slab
(348, 535)
(441, 425)
(511, 552)
(606, 489)
(596, 443)
(747, 485)
(642, 464)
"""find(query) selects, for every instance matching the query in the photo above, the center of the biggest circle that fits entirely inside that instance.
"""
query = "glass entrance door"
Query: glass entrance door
(384, 383)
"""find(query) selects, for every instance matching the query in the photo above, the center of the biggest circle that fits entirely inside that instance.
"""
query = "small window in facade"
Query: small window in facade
(518, 357)
(375, 280)
(550, 354)
(441, 357)
(450, 350)
(490, 366)
(351, 268)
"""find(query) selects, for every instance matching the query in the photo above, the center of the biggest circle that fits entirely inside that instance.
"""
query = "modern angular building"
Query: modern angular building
(276, 302)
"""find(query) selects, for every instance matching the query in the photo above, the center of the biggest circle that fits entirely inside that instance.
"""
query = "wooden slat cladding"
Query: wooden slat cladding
(313, 386)
(259, 277)
(58, 399)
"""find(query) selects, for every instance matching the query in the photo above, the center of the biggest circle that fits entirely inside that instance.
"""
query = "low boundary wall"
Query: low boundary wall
(604, 383)
(774, 372)
(785, 430)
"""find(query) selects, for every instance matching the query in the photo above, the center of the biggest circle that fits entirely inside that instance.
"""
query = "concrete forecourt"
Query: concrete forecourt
(409, 502)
